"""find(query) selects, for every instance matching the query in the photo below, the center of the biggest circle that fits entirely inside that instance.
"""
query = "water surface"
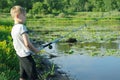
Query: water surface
(81, 67)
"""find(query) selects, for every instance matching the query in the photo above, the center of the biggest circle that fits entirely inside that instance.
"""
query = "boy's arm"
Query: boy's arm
(28, 44)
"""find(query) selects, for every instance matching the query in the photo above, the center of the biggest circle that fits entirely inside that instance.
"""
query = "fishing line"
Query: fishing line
(74, 30)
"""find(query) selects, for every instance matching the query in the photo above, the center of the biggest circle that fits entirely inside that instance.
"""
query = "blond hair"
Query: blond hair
(17, 10)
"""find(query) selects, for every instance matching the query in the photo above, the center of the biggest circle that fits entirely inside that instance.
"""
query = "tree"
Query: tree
(118, 3)
(81, 5)
(54, 6)
(3, 3)
(66, 5)
(59, 6)
(107, 5)
(99, 5)
(88, 6)
(114, 5)
(38, 8)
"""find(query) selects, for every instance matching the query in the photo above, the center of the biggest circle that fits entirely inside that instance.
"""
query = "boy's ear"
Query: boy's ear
(17, 15)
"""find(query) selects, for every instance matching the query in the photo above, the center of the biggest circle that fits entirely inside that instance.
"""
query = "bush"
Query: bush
(8, 60)
(61, 15)
(37, 16)
(50, 15)
(29, 16)
(3, 77)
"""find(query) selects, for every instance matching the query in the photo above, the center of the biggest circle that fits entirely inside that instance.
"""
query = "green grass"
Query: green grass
(98, 30)
(8, 59)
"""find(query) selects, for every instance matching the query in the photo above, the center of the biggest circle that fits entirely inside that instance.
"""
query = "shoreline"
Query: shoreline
(48, 70)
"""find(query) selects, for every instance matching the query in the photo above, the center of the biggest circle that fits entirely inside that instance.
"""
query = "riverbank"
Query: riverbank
(48, 70)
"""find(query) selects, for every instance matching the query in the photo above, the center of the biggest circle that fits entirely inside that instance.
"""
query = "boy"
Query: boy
(22, 44)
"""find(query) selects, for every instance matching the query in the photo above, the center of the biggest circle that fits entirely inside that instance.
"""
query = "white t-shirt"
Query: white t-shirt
(18, 42)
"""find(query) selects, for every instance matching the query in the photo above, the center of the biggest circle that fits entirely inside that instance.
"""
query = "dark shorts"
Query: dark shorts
(27, 68)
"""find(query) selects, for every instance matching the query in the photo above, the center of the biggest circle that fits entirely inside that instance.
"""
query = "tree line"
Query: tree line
(61, 6)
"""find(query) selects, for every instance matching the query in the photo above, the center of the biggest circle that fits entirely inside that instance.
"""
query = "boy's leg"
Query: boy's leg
(23, 74)
(29, 67)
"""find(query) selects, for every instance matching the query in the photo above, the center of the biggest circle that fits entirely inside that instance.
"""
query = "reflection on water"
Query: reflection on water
(87, 67)
(81, 67)
(94, 49)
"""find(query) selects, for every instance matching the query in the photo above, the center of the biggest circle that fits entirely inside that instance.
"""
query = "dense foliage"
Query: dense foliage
(8, 59)
(61, 6)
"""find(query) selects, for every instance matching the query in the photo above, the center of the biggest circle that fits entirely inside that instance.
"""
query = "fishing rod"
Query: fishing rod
(60, 38)
(74, 30)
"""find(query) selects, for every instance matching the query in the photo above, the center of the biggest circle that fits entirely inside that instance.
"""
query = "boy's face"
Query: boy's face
(22, 17)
